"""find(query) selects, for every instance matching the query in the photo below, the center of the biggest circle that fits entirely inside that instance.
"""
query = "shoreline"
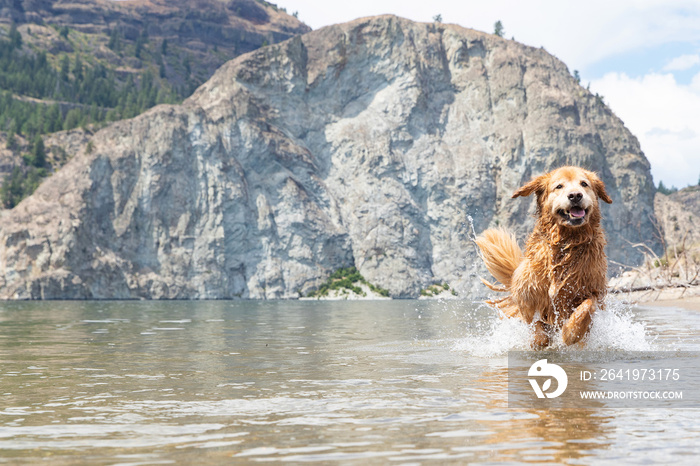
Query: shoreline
(685, 297)
(681, 297)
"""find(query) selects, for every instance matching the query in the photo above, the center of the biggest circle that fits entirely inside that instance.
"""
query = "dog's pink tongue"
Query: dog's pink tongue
(577, 212)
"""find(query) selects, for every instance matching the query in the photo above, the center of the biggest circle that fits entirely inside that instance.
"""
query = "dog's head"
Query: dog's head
(568, 195)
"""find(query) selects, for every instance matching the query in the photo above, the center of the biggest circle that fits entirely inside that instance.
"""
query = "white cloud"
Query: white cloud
(665, 116)
(695, 83)
(580, 34)
(682, 63)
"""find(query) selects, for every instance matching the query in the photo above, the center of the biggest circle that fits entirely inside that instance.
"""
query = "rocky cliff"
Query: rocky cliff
(116, 59)
(369, 143)
(678, 216)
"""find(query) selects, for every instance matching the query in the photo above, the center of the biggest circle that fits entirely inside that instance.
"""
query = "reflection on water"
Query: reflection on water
(385, 381)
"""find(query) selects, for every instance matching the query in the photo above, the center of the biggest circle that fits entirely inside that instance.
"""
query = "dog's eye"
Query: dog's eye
(584, 184)
(559, 186)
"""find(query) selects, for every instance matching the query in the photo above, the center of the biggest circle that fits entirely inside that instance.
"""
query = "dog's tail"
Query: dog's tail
(501, 255)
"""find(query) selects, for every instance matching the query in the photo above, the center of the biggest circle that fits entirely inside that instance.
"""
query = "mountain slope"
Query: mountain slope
(80, 63)
(369, 144)
(208, 32)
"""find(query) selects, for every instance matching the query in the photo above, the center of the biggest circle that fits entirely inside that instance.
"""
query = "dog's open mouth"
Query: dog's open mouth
(575, 215)
(577, 212)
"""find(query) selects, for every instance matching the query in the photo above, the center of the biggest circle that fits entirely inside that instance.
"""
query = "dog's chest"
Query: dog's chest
(575, 275)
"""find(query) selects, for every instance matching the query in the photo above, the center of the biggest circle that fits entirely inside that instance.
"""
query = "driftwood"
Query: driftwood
(677, 268)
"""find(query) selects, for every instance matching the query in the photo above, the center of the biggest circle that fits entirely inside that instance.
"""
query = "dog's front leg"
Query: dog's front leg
(576, 327)
(541, 338)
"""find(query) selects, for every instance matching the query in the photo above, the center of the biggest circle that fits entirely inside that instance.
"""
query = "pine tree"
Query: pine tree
(65, 68)
(78, 68)
(15, 37)
(664, 190)
(11, 191)
(498, 29)
(38, 158)
(114, 40)
(139, 47)
(11, 141)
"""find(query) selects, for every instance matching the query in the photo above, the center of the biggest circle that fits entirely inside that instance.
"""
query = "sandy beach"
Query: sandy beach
(685, 298)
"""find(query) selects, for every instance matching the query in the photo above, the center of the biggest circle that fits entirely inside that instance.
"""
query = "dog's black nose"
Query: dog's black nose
(575, 197)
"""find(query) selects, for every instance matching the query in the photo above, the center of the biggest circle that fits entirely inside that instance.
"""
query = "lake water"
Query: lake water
(378, 382)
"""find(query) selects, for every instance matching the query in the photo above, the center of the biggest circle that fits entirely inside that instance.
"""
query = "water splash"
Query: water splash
(617, 328)
(496, 337)
(613, 329)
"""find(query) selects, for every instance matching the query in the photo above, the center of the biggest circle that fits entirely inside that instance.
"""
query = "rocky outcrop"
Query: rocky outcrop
(674, 272)
(678, 215)
(371, 144)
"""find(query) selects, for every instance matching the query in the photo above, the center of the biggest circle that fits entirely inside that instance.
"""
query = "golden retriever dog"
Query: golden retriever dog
(560, 280)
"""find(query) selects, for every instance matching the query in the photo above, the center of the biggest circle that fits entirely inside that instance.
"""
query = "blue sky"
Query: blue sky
(642, 56)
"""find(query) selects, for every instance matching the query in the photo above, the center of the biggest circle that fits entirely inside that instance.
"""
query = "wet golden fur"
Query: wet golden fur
(560, 280)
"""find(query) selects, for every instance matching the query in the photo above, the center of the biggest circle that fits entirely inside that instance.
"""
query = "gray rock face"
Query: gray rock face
(368, 144)
(678, 217)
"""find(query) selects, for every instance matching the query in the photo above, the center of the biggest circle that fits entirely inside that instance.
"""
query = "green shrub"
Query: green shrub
(20, 184)
(436, 289)
(345, 280)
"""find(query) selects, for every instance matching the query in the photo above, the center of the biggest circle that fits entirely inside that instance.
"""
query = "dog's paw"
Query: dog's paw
(541, 337)
(577, 326)
(540, 341)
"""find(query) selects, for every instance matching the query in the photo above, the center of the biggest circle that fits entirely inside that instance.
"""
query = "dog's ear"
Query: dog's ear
(599, 188)
(536, 185)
